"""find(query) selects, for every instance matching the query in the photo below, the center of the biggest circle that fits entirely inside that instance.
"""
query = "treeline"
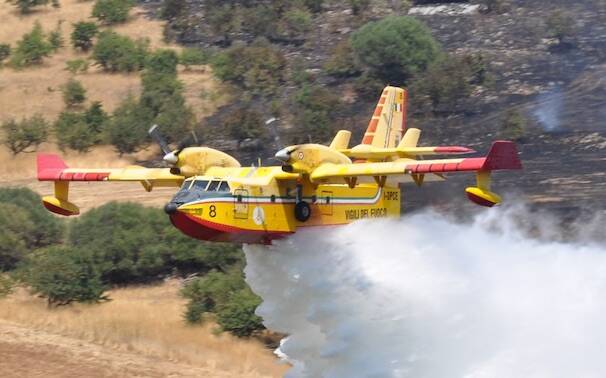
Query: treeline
(118, 244)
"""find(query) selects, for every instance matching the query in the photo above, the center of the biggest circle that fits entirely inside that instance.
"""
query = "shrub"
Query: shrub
(55, 38)
(73, 132)
(5, 52)
(221, 19)
(395, 48)
(127, 130)
(261, 20)
(25, 135)
(32, 48)
(257, 68)
(73, 93)
(560, 25)
(175, 118)
(82, 35)
(226, 295)
(96, 118)
(244, 123)
(112, 11)
(446, 82)
(47, 230)
(314, 5)
(119, 53)
(342, 61)
(513, 125)
(294, 23)
(162, 61)
(6, 286)
(315, 109)
(63, 275)
(16, 235)
(25, 6)
(359, 6)
(192, 57)
(76, 66)
(172, 9)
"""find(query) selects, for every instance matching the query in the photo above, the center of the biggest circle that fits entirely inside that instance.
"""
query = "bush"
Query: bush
(5, 52)
(112, 11)
(395, 48)
(359, 6)
(25, 6)
(96, 118)
(47, 230)
(55, 38)
(226, 295)
(26, 135)
(63, 275)
(73, 93)
(221, 19)
(294, 24)
(162, 61)
(6, 286)
(513, 125)
(257, 68)
(82, 35)
(174, 118)
(32, 48)
(244, 123)
(76, 66)
(117, 53)
(560, 25)
(73, 132)
(192, 57)
(172, 9)
(315, 109)
(127, 130)
(342, 61)
(16, 235)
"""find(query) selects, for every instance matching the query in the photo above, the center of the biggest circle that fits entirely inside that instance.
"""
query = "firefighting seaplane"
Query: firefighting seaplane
(316, 185)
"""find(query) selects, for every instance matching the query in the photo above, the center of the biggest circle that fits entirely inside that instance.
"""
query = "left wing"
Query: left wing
(52, 168)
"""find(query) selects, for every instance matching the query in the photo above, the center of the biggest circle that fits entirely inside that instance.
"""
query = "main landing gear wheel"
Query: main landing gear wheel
(302, 211)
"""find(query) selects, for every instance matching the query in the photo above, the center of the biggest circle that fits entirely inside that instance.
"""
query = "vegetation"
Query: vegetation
(76, 66)
(228, 297)
(73, 132)
(513, 125)
(25, 6)
(192, 57)
(63, 275)
(561, 26)
(127, 129)
(5, 52)
(172, 9)
(73, 93)
(117, 53)
(55, 38)
(258, 68)
(359, 6)
(395, 48)
(25, 135)
(244, 123)
(342, 61)
(32, 48)
(6, 285)
(316, 107)
(83, 34)
(112, 11)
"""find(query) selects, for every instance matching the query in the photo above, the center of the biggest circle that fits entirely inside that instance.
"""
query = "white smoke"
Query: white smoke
(549, 110)
(426, 296)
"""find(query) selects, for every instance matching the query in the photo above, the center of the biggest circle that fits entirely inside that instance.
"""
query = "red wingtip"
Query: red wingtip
(502, 155)
(50, 167)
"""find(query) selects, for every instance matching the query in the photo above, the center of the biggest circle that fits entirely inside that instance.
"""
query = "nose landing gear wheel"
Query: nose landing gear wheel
(302, 211)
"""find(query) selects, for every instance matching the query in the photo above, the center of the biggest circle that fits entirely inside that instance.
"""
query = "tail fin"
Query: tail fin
(341, 140)
(388, 121)
(502, 155)
(411, 138)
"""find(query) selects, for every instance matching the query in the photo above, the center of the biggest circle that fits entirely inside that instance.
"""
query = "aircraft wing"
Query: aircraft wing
(502, 155)
(52, 168)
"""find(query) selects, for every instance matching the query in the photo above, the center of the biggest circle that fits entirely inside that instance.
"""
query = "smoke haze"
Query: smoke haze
(425, 296)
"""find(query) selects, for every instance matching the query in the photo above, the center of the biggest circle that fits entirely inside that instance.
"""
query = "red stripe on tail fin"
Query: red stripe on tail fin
(502, 155)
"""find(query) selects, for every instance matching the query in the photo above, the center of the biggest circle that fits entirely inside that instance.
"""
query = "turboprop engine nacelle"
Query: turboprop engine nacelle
(192, 161)
(304, 158)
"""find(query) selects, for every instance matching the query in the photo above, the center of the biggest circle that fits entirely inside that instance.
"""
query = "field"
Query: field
(139, 332)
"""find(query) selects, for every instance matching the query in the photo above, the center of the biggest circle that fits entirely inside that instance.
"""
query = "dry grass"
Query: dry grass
(37, 89)
(145, 321)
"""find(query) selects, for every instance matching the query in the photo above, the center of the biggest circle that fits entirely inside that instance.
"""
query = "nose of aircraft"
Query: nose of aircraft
(170, 208)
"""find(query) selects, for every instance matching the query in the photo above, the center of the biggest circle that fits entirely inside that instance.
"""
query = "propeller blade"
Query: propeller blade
(190, 140)
(154, 133)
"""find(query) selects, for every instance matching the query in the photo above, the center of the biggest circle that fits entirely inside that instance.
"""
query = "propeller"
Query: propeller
(172, 156)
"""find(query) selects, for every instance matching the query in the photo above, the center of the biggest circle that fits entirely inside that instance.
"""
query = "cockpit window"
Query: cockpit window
(200, 185)
(224, 187)
(213, 186)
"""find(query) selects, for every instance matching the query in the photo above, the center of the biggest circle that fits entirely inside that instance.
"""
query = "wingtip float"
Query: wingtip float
(316, 185)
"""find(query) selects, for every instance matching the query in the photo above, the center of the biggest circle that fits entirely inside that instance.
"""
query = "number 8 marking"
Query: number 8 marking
(213, 211)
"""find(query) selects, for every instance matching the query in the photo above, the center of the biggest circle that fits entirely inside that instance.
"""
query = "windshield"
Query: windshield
(199, 185)
(213, 186)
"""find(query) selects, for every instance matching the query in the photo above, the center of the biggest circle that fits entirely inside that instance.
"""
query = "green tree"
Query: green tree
(16, 235)
(74, 93)
(127, 130)
(221, 19)
(83, 34)
(315, 110)
(32, 48)
(55, 38)
(513, 125)
(25, 135)
(258, 68)
(395, 48)
(5, 52)
(73, 132)
(238, 317)
(342, 61)
(560, 25)
(192, 57)
(25, 6)
(117, 53)
(96, 118)
(162, 61)
(64, 275)
(48, 229)
(112, 11)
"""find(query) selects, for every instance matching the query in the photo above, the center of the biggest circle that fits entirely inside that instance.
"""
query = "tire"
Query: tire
(302, 211)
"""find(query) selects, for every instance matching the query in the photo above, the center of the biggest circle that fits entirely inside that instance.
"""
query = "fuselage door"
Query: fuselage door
(241, 204)
(325, 202)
